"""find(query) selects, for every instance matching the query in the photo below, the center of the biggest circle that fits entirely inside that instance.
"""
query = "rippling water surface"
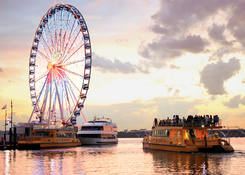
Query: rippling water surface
(127, 157)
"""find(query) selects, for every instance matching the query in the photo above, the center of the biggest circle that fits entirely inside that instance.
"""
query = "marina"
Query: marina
(150, 59)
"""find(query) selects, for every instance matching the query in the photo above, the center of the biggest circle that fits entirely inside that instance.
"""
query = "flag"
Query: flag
(4, 107)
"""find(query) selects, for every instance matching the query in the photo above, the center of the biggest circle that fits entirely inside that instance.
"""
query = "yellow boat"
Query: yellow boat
(41, 138)
(185, 136)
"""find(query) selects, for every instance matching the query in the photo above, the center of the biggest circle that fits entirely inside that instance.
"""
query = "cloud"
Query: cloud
(139, 114)
(174, 24)
(236, 22)
(168, 48)
(235, 101)
(218, 55)
(1, 69)
(116, 66)
(216, 32)
(214, 75)
(172, 66)
(175, 16)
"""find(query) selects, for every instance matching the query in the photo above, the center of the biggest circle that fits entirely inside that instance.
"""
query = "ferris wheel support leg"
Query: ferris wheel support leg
(81, 113)
(50, 98)
(40, 94)
(61, 108)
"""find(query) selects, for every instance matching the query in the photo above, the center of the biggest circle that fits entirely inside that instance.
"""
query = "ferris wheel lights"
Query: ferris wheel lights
(49, 65)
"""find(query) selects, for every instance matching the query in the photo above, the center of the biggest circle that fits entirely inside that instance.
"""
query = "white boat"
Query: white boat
(98, 131)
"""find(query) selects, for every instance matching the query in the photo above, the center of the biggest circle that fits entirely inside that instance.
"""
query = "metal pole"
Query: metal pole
(11, 114)
(5, 127)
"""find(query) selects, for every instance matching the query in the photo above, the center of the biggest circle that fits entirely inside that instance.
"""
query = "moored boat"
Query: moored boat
(44, 137)
(191, 135)
(98, 131)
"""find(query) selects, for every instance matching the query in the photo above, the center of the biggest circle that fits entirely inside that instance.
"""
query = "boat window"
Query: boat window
(92, 128)
(160, 133)
(65, 135)
(41, 134)
(90, 135)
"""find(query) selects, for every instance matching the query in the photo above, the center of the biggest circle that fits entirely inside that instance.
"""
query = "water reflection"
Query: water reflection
(127, 157)
(188, 163)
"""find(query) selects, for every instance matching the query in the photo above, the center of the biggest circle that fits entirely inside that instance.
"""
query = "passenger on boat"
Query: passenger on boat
(216, 120)
(204, 120)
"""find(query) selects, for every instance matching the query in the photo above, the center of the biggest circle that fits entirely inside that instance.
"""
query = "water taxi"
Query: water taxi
(98, 131)
(191, 135)
(47, 137)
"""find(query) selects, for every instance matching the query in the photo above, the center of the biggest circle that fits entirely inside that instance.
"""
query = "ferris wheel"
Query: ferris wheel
(60, 65)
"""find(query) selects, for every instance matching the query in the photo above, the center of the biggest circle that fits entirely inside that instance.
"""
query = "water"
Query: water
(127, 158)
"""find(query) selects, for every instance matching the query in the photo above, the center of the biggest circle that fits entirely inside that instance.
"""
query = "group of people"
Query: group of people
(205, 120)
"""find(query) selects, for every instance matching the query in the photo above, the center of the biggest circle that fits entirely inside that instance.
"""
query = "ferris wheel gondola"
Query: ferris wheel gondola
(60, 65)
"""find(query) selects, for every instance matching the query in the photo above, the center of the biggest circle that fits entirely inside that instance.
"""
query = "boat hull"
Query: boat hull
(33, 146)
(97, 141)
(221, 147)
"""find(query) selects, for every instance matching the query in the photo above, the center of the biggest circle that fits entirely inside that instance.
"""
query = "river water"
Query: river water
(127, 157)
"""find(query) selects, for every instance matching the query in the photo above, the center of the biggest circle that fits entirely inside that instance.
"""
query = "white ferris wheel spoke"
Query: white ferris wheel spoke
(66, 59)
(74, 73)
(44, 102)
(42, 76)
(73, 95)
(73, 84)
(72, 62)
(50, 36)
(50, 97)
(43, 55)
(38, 99)
(45, 42)
(69, 37)
(69, 50)
(59, 100)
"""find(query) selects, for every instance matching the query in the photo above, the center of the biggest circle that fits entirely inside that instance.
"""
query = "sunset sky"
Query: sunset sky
(151, 58)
